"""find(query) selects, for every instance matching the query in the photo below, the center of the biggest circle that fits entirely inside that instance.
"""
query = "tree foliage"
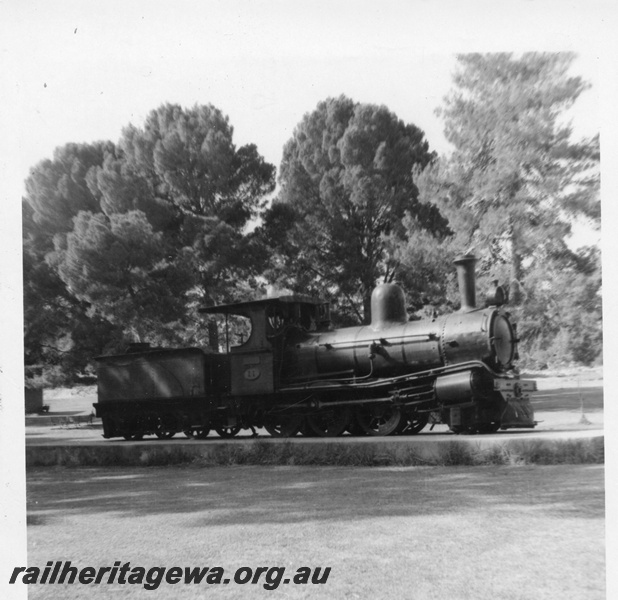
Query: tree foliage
(562, 312)
(60, 336)
(183, 171)
(346, 182)
(56, 190)
(127, 239)
(120, 266)
(516, 181)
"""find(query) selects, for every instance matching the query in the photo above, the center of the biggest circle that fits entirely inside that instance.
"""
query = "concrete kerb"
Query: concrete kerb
(362, 452)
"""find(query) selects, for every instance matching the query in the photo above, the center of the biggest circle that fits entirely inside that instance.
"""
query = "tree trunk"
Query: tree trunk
(515, 289)
(367, 306)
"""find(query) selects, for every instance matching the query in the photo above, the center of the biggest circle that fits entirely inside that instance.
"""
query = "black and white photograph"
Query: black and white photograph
(307, 299)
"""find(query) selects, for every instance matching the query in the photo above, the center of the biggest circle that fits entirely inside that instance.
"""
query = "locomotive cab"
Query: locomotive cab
(255, 362)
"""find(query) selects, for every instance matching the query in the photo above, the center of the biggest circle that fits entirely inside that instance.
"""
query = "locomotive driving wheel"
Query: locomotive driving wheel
(415, 423)
(491, 427)
(380, 420)
(355, 429)
(283, 425)
(463, 429)
(227, 432)
(305, 430)
(329, 422)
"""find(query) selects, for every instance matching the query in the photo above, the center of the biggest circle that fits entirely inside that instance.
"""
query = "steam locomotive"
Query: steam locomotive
(295, 373)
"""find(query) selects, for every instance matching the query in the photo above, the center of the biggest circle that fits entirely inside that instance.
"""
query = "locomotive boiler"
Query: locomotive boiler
(295, 373)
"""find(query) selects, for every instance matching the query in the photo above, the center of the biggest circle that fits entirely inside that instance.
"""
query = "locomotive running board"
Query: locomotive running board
(320, 405)
(359, 383)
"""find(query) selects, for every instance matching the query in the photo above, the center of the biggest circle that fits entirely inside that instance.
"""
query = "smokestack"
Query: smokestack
(466, 280)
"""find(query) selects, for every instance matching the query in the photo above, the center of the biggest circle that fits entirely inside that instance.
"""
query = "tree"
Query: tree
(346, 182)
(56, 190)
(515, 181)
(131, 237)
(183, 171)
(562, 315)
(59, 333)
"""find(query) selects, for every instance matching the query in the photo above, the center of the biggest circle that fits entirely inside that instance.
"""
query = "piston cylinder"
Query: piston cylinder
(461, 387)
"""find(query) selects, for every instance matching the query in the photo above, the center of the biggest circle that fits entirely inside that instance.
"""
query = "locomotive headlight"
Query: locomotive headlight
(497, 295)
(503, 339)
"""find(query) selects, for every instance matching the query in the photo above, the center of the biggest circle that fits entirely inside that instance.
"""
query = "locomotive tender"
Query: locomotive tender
(295, 373)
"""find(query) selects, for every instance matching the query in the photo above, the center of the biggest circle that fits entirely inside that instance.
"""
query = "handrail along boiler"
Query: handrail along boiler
(296, 373)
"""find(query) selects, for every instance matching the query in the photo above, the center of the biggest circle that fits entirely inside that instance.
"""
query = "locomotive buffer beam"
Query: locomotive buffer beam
(515, 388)
(525, 385)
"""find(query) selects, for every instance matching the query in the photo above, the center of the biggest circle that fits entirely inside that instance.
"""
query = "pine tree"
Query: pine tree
(346, 183)
(516, 181)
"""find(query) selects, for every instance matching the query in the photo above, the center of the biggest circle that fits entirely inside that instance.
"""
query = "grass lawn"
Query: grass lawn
(479, 533)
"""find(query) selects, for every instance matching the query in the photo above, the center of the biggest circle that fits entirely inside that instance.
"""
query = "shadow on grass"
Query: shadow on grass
(36, 519)
(288, 495)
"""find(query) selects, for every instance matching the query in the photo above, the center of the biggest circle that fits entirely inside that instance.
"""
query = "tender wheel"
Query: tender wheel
(415, 424)
(198, 433)
(283, 426)
(227, 432)
(380, 420)
(329, 423)
(133, 437)
(166, 427)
